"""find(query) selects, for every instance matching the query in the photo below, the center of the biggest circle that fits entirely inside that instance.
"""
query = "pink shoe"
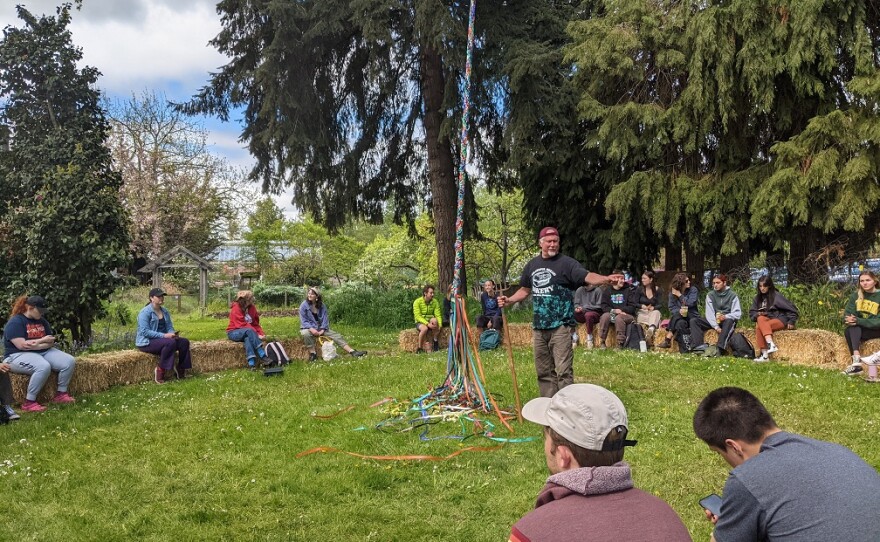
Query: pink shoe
(63, 397)
(32, 406)
(160, 375)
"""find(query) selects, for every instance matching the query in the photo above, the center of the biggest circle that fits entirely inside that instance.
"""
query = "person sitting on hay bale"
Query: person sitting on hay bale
(491, 316)
(244, 327)
(722, 312)
(770, 311)
(30, 350)
(620, 304)
(649, 298)
(156, 335)
(861, 318)
(315, 322)
(588, 308)
(6, 398)
(429, 319)
(682, 308)
(590, 494)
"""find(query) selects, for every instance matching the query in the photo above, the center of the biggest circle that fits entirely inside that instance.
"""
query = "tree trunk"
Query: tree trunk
(736, 266)
(672, 256)
(696, 266)
(441, 170)
(803, 243)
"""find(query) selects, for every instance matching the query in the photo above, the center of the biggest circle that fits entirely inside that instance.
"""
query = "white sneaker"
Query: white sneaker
(589, 342)
(772, 348)
(762, 358)
(873, 359)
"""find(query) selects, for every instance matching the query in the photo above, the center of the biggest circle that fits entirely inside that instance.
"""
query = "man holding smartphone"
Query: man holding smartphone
(783, 486)
(590, 495)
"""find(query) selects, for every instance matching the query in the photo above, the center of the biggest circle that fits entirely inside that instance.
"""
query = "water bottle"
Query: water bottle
(872, 372)
(643, 346)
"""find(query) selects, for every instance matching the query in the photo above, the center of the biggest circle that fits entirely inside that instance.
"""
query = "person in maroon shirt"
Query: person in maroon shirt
(590, 495)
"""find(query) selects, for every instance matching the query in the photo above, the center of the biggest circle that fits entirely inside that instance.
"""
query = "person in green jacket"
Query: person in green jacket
(861, 318)
(428, 317)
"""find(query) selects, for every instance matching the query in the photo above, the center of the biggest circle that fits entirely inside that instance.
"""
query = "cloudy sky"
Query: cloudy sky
(154, 45)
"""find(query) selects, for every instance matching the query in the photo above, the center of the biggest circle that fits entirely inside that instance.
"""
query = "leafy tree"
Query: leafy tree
(62, 227)
(691, 104)
(355, 104)
(505, 242)
(389, 260)
(176, 190)
(265, 232)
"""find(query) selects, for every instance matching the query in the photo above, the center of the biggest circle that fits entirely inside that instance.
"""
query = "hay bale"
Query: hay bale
(520, 336)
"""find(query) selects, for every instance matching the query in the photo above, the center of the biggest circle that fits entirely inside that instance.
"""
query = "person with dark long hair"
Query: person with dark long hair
(682, 308)
(244, 327)
(30, 350)
(156, 335)
(862, 318)
(649, 300)
(315, 322)
(770, 311)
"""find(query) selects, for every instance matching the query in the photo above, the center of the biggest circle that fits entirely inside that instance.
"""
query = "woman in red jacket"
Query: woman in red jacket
(244, 327)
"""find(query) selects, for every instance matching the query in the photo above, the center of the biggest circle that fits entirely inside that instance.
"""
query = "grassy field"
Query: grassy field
(214, 457)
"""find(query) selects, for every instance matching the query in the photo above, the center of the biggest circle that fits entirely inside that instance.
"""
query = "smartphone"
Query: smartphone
(712, 503)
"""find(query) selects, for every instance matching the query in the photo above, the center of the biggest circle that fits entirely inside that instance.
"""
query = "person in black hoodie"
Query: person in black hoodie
(619, 306)
(770, 311)
(491, 312)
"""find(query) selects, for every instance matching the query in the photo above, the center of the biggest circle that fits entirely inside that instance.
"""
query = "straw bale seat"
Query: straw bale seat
(811, 347)
(99, 372)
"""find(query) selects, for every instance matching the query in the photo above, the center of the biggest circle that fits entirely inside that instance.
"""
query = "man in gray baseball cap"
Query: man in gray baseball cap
(590, 494)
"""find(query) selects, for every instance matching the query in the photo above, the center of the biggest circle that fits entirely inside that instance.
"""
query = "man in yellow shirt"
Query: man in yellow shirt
(428, 317)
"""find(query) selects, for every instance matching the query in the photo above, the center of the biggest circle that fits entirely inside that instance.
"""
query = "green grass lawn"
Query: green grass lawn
(214, 457)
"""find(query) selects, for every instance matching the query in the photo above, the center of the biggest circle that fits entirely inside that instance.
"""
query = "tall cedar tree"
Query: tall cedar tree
(356, 105)
(552, 150)
(62, 229)
(736, 126)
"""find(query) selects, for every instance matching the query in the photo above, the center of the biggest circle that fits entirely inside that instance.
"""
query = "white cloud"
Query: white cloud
(154, 45)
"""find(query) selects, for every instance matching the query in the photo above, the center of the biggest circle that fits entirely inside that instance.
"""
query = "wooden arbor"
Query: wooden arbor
(166, 261)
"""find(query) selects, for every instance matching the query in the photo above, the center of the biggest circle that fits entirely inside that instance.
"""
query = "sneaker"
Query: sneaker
(313, 356)
(700, 348)
(358, 353)
(159, 375)
(11, 413)
(602, 345)
(63, 397)
(772, 348)
(266, 361)
(762, 358)
(665, 344)
(852, 370)
(873, 359)
(590, 341)
(32, 406)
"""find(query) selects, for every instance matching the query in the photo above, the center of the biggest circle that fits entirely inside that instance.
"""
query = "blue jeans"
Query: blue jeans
(253, 346)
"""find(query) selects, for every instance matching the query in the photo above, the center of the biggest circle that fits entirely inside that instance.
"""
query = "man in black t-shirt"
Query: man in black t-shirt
(551, 278)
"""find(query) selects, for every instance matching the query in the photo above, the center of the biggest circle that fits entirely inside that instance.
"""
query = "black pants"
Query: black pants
(856, 334)
(5, 389)
(680, 325)
(483, 322)
(700, 325)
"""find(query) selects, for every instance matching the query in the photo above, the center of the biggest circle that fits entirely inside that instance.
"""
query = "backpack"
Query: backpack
(740, 346)
(275, 351)
(634, 335)
(328, 349)
(490, 339)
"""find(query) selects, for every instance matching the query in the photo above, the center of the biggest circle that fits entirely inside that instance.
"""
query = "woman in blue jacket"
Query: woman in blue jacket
(156, 335)
(314, 322)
